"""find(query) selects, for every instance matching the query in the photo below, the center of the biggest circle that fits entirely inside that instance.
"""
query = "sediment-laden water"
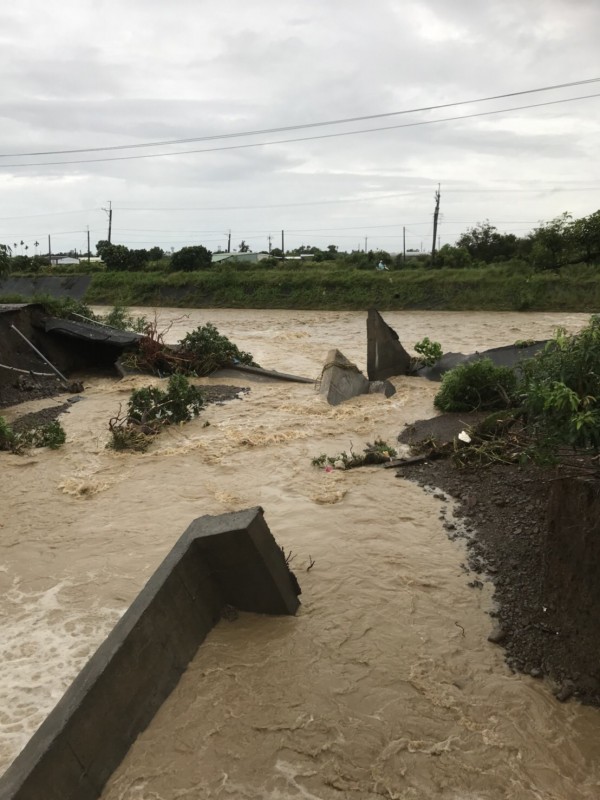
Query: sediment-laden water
(373, 690)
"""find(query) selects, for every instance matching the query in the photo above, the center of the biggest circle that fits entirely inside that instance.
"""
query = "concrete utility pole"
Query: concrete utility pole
(404, 245)
(269, 243)
(436, 214)
(282, 246)
(229, 242)
(88, 240)
(366, 240)
(109, 212)
(49, 250)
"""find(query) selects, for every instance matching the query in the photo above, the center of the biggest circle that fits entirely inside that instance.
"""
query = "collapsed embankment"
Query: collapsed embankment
(535, 534)
(328, 289)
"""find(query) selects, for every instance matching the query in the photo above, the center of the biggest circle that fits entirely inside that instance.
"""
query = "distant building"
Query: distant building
(59, 260)
(247, 258)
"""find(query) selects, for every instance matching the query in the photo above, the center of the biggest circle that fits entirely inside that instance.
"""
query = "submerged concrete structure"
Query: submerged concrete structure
(231, 559)
(341, 380)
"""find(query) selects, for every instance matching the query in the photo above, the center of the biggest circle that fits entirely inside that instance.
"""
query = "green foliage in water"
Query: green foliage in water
(119, 317)
(379, 452)
(206, 350)
(6, 435)
(151, 408)
(51, 435)
(477, 386)
(181, 402)
(429, 351)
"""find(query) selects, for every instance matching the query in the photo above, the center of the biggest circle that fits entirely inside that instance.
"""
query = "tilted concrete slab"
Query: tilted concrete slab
(231, 559)
(385, 355)
(341, 379)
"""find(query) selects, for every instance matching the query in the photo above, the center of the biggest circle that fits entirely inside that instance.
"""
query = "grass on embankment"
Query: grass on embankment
(319, 287)
(453, 290)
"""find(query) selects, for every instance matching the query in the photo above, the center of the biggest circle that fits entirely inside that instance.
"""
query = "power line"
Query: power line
(54, 213)
(301, 138)
(305, 125)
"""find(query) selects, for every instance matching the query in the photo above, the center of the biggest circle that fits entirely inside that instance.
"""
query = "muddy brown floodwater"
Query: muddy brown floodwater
(383, 686)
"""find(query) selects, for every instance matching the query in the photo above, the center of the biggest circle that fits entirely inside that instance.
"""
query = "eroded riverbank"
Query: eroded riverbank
(372, 690)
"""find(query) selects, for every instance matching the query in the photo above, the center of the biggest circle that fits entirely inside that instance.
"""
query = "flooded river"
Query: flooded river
(383, 685)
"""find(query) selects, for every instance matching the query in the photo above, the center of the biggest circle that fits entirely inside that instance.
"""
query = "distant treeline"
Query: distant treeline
(555, 267)
(549, 247)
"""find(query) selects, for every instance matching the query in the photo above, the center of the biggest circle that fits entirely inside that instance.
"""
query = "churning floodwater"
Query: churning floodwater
(383, 685)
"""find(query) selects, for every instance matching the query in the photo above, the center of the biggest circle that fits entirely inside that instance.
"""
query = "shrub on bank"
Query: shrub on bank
(477, 386)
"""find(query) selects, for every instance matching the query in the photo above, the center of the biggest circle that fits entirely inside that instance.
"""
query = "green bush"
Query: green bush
(477, 386)
(206, 350)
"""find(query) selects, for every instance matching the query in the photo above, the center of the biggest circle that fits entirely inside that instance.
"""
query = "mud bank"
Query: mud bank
(535, 535)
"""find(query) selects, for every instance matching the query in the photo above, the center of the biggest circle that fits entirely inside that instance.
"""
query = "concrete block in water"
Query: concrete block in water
(341, 379)
(382, 387)
(231, 559)
(385, 355)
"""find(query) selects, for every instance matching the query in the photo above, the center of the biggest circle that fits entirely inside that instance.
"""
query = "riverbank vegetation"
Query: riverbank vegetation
(548, 409)
(555, 267)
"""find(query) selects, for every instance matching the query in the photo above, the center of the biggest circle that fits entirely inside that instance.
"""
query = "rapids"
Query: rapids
(373, 690)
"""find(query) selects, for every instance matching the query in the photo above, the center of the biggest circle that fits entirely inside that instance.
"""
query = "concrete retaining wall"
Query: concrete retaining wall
(229, 559)
(56, 286)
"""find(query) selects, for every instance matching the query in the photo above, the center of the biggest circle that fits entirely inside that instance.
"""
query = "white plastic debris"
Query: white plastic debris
(464, 437)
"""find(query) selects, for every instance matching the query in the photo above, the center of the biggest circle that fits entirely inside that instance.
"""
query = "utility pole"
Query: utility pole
(49, 250)
(404, 245)
(436, 214)
(229, 242)
(366, 240)
(88, 240)
(109, 212)
(269, 243)
(282, 246)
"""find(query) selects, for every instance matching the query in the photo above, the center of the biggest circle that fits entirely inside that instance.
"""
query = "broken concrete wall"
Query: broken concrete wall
(227, 559)
(385, 355)
(74, 286)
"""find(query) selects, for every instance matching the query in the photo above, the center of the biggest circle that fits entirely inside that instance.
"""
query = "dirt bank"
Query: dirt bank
(519, 538)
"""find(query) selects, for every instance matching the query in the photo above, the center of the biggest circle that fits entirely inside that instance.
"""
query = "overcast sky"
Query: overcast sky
(80, 74)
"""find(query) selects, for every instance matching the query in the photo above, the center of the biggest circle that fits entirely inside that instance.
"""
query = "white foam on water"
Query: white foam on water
(46, 640)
